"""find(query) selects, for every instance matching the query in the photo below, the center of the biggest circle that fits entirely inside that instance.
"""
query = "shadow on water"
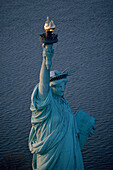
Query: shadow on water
(15, 161)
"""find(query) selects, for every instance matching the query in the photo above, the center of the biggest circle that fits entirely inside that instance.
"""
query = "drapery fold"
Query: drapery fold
(56, 134)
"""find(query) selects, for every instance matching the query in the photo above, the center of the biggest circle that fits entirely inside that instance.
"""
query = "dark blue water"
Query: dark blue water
(85, 30)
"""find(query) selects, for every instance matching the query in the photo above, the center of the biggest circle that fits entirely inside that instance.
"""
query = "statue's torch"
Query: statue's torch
(48, 39)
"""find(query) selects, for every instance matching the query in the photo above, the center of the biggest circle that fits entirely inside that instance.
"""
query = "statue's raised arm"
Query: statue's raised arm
(47, 39)
(45, 71)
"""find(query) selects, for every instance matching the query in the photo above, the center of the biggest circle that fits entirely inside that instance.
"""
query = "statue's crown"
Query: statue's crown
(57, 75)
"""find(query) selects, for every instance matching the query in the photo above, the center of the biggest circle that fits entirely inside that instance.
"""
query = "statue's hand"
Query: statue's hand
(47, 55)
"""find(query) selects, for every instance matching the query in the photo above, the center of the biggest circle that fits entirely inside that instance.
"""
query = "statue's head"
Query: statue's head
(58, 82)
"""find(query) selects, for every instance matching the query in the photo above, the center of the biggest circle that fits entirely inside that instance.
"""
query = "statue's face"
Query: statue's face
(59, 88)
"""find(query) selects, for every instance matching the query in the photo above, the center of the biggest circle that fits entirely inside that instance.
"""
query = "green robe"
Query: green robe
(55, 139)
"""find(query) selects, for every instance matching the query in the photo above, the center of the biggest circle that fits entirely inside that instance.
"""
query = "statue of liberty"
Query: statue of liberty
(57, 135)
